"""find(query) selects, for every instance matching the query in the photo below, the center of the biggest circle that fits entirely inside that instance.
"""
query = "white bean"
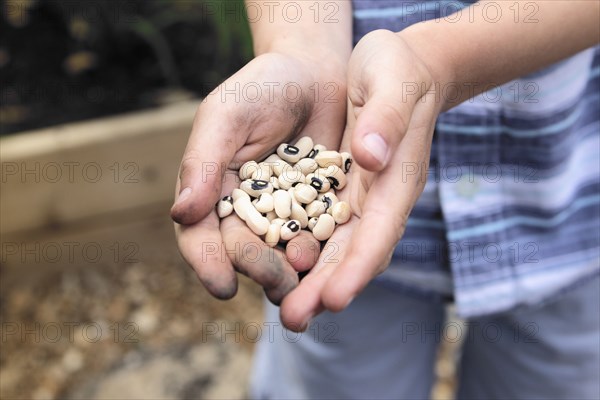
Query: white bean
(289, 176)
(274, 182)
(305, 193)
(272, 235)
(256, 187)
(316, 150)
(340, 212)
(264, 203)
(299, 215)
(290, 230)
(271, 215)
(335, 175)
(346, 161)
(264, 172)
(237, 193)
(304, 145)
(316, 208)
(327, 158)
(225, 206)
(307, 165)
(241, 207)
(279, 221)
(312, 222)
(320, 183)
(329, 198)
(256, 222)
(289, 153)
(248, 169)
(324, 227)
(282, 203)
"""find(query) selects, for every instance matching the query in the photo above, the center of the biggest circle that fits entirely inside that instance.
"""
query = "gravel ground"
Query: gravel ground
(128, 330)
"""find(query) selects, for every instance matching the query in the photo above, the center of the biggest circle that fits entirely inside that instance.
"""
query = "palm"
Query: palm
(250, 129)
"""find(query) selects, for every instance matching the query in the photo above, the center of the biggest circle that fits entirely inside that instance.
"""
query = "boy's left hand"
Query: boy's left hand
(391, 118)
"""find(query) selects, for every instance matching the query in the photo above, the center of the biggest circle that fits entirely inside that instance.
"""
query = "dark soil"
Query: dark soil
(64, 61)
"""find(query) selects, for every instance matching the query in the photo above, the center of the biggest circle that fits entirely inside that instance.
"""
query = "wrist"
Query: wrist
(429, 46)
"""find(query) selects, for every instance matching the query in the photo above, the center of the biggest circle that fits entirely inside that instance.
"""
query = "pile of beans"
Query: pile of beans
(291, 190)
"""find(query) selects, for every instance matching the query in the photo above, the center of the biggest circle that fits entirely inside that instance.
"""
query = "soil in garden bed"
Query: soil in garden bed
(64, 61)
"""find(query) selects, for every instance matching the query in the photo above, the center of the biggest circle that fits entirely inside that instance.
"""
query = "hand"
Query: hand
(390, 128)
(244, 119)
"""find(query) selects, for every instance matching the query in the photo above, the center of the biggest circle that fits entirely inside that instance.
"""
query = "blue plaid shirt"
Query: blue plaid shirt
(510, 214)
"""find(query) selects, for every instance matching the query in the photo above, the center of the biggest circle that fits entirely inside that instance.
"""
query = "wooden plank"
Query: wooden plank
(60, 175)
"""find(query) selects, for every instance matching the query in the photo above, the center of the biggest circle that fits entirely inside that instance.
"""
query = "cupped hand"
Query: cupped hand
(275, 98)
(391, 119)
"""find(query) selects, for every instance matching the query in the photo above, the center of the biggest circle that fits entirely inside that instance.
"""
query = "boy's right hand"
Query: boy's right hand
(274, 99)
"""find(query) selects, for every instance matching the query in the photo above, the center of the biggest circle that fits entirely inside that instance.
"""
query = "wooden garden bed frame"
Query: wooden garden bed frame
(107, 170)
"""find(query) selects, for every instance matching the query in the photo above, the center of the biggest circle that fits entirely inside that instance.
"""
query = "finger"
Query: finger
(303, 251)
(304, 302)
(211, 147)
(201, 246)
(253, 258)
(383, 102)
(388, 204)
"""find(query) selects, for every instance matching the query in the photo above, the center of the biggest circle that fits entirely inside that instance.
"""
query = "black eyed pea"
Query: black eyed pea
(225, 207)
(237, 193)
(256, 187)
(280, 221)
(304, 193)
(316, 208)
(304, 145)
(242, 205)
(256, 222)
(264, 203)
(289, 153)
(327, 158)
(322, 184)
(248, 169)
(276, 164)
(272, 235)
(271, 215)
(274, 182)
(316, 150)
(292, 194)
(289, 176)
(312, 222)
(329, 199)
(264, 172)
(335, 175)
(307, 165)
(340, 212)
(324, 227)
(282, 203)
(299, 214)
(346, 161)
(290, 230)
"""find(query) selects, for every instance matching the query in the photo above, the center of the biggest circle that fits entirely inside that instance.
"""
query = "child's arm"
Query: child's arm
(492, 42)
(396, 85)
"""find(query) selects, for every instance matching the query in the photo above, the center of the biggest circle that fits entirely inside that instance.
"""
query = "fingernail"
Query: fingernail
(183, 195)
(307, 322)
(349, 301)
(375, 145)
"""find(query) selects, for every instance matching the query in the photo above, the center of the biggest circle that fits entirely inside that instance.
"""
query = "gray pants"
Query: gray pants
(384, 345)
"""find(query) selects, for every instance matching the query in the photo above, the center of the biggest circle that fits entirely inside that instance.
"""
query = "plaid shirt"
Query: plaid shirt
(510, 214)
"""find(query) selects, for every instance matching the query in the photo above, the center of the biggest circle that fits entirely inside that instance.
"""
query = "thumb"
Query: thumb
(210, 149)
(383, 100)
